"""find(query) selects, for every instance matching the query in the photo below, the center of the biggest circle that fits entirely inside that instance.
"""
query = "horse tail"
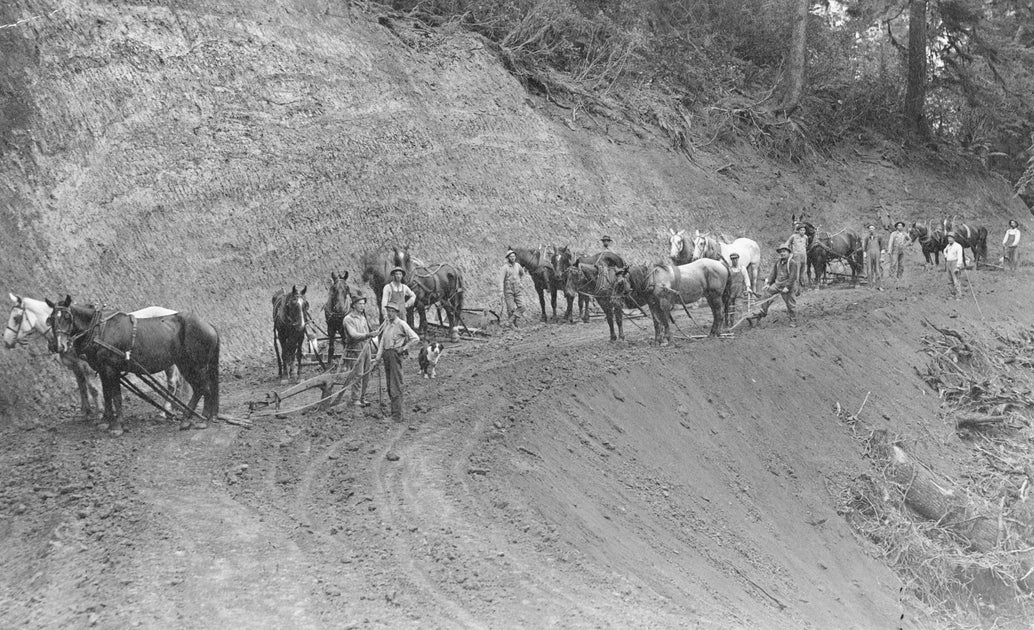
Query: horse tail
(458, 296)
(212, 394)
(727, 291)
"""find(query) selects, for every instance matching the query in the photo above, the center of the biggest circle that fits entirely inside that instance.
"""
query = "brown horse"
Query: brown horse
(573, 268)
(437, 284)
(606, 284)
(376, 268)
(971, 237)
(338, 302)
(290, 321)
(114, 343)
(663, 286)
(931, 241)
(844, 245)
(543, 274)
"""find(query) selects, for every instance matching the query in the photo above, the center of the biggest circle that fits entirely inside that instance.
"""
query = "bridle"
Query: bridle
(66, 312)
(18, 337)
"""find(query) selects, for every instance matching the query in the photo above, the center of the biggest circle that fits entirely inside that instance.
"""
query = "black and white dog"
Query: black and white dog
(429, 355)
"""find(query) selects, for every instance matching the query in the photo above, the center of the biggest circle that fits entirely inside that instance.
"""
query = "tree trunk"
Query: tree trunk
(936, 500)
(915, 90)
(792, 84)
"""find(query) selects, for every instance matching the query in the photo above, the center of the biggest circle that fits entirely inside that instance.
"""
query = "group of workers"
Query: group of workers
(789, 271)
(786, 279)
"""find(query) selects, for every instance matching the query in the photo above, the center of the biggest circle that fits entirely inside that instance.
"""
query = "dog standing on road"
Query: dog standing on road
(429, 355)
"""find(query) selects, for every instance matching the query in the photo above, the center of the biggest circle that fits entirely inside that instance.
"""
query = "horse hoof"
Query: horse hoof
(117, 432)
(200, 425)
(184, 425)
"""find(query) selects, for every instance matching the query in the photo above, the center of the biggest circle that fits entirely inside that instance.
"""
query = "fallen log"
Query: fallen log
(937, 499)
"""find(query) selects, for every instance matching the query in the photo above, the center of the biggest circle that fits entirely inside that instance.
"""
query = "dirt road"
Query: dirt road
(547, 478)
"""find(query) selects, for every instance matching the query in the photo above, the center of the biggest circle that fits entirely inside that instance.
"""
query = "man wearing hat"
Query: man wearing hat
(953, 263)
(873, 246)
(1010, 243)
(606, 242)
(358, 348)
(396, 337)
(798, 244)
(896, 249)
(513, 290)
(781, 281)
(738, 281)
(397, 291)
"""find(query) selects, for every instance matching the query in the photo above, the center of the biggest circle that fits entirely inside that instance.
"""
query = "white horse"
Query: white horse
(707, 246)
(29, 317)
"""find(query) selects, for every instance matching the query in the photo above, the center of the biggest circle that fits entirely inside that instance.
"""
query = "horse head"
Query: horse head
(337, 300)
(702, 246)
(66, 324)
(562, 259)
(18, 325)
(677, 241)
(295, 309)
(401, 258)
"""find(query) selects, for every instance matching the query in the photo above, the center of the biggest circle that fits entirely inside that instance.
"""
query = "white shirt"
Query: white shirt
(1015, 234)
(953, 252)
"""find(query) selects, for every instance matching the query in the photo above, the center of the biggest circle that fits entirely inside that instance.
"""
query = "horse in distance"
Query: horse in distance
(931, 238)
(334, 311)
(540, 265)
(710, 246)
(437, 284)
(290, 323)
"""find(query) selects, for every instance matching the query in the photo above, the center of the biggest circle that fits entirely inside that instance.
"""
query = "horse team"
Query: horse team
(113, 344)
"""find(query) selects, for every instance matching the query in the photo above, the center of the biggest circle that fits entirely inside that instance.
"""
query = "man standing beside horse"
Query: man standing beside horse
(896, 249)
(781, 281)
(874, 247)
(798, 244)
(358, 348)
(513, 290)
(397, 291)
(737, 289)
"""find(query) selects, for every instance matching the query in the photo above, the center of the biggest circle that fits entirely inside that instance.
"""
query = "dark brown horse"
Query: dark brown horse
(114, 343)
(376, 268)
(290, 321)
(931, 241)
(440, 284)
(573, 269)
(845, 245)
(543, 274)
(607, 285)
(338, 302)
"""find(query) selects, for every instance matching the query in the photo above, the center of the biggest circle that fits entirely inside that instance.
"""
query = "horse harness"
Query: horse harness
(89, 334)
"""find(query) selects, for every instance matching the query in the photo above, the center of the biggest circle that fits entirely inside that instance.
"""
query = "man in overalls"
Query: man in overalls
(737, 289)
(513, 290)
(397, 291)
